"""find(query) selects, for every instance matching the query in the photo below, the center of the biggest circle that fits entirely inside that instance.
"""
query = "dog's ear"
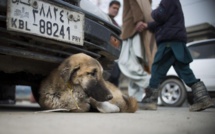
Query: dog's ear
(67, 70)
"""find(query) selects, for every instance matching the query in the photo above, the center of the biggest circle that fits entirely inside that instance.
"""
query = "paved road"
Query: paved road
(24, 120)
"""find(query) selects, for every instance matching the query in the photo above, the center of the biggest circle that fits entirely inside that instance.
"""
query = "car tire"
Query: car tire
(172, 92)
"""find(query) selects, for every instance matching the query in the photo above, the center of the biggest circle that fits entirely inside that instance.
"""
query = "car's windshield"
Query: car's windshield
(90, 7)
(203, 50)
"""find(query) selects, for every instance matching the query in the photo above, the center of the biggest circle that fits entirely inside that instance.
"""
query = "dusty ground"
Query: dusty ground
(25, 119)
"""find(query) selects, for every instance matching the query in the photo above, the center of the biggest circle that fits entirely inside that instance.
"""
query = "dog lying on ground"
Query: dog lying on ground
(77, 85)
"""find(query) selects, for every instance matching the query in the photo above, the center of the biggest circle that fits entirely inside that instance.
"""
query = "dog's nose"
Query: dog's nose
(109, 97)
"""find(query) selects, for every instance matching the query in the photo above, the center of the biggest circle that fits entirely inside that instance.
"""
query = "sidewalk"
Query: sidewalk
(162, 121)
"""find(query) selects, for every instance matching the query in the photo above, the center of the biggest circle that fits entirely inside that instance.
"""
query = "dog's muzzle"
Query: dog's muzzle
(99, 92)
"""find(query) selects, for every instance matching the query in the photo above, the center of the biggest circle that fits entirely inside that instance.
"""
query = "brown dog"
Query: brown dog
(77, 84)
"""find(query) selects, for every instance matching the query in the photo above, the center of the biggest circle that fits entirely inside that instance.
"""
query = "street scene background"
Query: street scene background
(26, 117)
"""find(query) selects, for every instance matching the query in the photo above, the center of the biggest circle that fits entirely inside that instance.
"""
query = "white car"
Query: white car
(174, 92)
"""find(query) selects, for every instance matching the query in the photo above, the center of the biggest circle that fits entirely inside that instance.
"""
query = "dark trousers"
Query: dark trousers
(115, 74)
(160, 68)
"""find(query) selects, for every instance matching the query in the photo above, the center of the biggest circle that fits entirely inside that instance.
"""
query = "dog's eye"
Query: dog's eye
(93, 73)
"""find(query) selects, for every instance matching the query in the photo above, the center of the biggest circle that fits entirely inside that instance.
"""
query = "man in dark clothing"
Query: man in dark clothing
(170, 32)
(112, 12)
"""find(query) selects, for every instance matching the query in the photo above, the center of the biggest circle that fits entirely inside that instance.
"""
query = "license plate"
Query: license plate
(45, 19)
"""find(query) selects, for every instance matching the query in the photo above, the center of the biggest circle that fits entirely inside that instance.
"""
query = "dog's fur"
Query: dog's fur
(77, 85)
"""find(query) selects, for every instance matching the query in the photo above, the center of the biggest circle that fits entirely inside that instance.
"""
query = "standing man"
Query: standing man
(113, 12)
(171, 38)
(138, 46)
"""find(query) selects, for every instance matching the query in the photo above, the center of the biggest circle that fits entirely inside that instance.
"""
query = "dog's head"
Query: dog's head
(85, 71)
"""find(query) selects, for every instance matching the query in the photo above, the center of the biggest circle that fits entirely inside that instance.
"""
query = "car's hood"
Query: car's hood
(90, 7)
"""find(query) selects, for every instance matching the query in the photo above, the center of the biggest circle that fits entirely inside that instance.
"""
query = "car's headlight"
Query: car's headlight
(115, 42)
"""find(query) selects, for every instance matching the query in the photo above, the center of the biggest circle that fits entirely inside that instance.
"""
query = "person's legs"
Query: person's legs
(159, 69)
(115, 74)
(202, 99)
(185, 73)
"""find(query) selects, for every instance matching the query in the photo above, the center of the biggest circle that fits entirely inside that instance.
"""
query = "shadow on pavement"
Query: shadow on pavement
(20, 108)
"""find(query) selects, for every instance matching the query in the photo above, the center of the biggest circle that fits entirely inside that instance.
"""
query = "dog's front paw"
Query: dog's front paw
(107, 107)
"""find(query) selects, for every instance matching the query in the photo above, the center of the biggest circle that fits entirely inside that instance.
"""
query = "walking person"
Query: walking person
(138, 45)
(171, 38)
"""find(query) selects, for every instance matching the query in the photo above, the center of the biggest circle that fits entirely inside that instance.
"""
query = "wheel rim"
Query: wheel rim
(170, 93)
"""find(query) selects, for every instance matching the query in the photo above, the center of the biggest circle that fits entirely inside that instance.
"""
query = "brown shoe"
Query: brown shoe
(149, 102)
(204, 104)
(202, 99)
(147, 106)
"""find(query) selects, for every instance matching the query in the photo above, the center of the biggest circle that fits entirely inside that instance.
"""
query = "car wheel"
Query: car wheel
(172, 92)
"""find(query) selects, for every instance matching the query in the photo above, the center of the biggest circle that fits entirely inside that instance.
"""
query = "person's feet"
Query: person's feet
(202, 105)
(201, 97)
(147, 106)
(149, 102)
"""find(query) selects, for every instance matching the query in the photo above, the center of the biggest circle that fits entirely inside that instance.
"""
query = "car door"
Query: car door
(204, 62)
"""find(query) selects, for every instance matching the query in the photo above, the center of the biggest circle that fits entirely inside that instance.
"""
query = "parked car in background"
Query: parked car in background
(37, 35)
(174, 92)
